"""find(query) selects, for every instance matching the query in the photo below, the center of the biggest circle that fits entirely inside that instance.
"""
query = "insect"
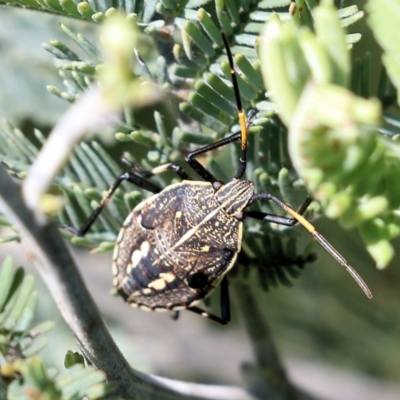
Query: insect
(175, 247)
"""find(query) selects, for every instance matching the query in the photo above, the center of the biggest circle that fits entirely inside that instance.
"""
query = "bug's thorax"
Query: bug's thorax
(235, 195)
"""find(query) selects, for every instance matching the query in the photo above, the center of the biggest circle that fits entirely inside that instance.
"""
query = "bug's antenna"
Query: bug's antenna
(320, 239)
(241, 115)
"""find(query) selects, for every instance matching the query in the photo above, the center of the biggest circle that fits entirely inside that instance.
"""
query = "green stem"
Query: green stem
(268, 379)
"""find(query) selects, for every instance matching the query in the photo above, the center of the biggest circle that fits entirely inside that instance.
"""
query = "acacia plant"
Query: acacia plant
(158, 81)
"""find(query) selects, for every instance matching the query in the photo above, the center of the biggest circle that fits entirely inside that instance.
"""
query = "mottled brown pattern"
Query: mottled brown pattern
(192, 243)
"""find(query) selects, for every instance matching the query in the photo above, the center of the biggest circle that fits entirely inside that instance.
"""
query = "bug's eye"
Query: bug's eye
(197, 280)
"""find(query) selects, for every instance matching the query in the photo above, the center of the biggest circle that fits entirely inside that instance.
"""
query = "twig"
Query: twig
(268, 378)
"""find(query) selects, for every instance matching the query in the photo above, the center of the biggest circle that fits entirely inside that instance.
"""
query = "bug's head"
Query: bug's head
(235, 195)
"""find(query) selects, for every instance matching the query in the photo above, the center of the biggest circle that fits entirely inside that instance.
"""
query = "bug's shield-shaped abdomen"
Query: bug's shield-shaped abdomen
(175, 247)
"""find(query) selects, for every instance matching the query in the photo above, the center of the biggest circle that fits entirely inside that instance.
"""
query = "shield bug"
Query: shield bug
(175, 247)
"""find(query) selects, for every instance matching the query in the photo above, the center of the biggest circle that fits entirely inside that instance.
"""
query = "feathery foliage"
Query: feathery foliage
(23, 374)
(333, 136)
(315, 132)
(383, 16)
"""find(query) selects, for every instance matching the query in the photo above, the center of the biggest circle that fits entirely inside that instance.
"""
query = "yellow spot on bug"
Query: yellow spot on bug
(146, 291)
(178, 214)
(114, 269)
(167, 276)
(158, 284)
(205, 248)
(136, 257)
(144, 248)
(129, 268)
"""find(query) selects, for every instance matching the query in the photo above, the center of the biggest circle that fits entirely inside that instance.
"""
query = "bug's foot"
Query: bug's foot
(70, 229)
(175, 315)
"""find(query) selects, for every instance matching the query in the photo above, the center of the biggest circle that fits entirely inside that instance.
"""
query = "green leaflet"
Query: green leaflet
(334, 141)
(22, 371)
(384, 18)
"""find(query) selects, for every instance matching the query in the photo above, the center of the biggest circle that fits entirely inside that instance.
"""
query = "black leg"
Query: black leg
(139, 179)
(225, 306)
(241, 115)
(225, 302)
(242, 135)
(277, 219)
(175, 315)
(197, 167)
(311, 228)
(202, 171)
(127, 176)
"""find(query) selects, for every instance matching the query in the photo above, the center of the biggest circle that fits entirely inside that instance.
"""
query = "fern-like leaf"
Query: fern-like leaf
(384, 18)
(334, 138)
(22, 372)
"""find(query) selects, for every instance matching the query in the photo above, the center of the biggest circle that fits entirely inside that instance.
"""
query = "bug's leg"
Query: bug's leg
(177, 169)
(241, 114)
(207, 315)
(242, 135)
(175, 315)
(225, 301)
(197, 167)
(225, 306)
(127, 176)
(278, 219)
(318, 237)
(202, 171)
